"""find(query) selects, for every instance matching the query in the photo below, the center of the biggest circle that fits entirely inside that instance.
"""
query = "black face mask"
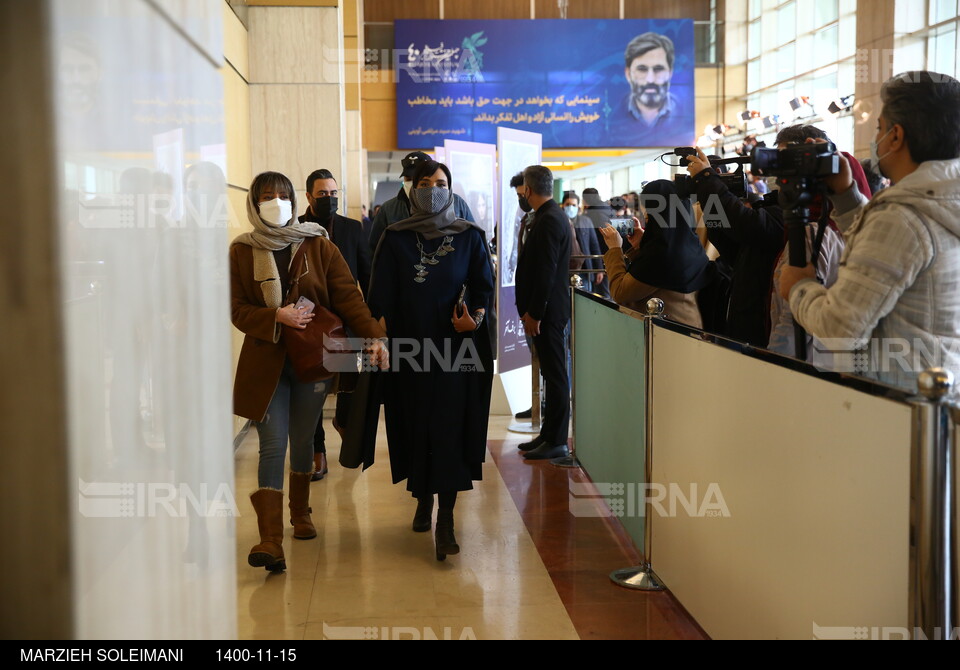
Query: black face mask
(524, 204)
(324, 208)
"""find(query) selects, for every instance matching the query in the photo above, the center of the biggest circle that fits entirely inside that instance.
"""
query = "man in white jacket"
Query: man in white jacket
(897, 296)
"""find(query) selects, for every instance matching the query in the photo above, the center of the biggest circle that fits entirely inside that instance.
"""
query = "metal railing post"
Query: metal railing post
(933, 511)
(643, 578)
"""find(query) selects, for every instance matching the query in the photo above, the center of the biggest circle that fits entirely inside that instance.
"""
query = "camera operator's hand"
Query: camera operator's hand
(611, 237)
(838, 183)
(790, 275)
(698, 163)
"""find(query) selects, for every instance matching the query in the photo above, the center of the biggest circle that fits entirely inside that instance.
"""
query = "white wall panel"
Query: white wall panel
(147, 321)
(816, 480)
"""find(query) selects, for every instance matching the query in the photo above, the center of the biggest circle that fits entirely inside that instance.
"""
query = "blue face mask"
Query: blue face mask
(875, 156)
(571, 212)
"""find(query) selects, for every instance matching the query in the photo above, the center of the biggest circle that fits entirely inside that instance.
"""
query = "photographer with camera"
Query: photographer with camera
(749, 241)
(796, 169)
(752, 241)
(896, 288)
(666, 259)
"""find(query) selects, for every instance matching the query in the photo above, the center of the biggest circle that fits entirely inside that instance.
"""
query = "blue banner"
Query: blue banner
(579, 83)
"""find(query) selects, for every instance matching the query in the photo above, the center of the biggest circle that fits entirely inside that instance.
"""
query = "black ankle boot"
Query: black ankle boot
(423, 519)
(445, 539)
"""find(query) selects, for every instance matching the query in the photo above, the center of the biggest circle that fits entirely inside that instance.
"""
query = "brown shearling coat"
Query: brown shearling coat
(328, 282)
(627, 291)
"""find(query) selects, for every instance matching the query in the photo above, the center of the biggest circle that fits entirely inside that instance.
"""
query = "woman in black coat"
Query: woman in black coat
(437, 398)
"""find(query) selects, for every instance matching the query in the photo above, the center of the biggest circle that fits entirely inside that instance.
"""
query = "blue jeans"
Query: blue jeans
(293, 412)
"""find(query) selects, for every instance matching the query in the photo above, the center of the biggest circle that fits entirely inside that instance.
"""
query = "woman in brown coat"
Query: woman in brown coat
(263, 265)
(666, 259)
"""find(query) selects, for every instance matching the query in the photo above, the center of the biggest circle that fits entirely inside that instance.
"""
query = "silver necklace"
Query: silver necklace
(431, 258)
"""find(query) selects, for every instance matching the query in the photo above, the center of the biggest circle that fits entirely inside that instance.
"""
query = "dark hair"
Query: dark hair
(275, 181)
(642, 44)
(874, 178)
(799, 134)
(539, 180)
(516, 180)
(591, 198)
(209, 173)
(571, 195)
(427, 168)
(927, 106)
(318, 174)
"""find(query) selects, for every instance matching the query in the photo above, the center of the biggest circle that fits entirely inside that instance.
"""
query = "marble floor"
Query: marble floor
(528, 569)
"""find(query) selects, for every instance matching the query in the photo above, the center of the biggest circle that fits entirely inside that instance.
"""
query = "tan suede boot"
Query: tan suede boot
(268, 504)
(300, 506)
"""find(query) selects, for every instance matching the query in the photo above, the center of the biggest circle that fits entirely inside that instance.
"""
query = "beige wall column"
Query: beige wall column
(236, 99)
(358, 190)
(296, 90)
(735, 59)
(875, 41)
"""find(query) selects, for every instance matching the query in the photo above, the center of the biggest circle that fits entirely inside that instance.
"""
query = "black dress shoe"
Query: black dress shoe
(320, 468)
(525, 415)
(446, 541)
(531, 445)
(423, 519)
(545, 452)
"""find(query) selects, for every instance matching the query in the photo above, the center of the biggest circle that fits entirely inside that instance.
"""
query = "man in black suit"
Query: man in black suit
(543, 301)
(347, 234)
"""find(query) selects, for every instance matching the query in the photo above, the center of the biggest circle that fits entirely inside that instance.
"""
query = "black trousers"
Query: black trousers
(343, 412)
(552, 351)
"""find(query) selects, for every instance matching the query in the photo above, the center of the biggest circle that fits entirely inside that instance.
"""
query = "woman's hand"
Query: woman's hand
(634, 239)
(293, 317)
(378, 355)
(611, 237)
(463, 323)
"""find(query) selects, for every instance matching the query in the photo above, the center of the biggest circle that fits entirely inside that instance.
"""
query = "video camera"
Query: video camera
(804, 160)
(799, 170)
(735, 181)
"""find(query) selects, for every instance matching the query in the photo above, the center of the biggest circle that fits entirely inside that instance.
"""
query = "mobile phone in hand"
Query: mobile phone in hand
(305, 305)
(463, 292)
(623, 226)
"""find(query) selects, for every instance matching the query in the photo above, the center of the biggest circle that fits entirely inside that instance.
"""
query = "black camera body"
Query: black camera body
(735, 181)
(804, 160)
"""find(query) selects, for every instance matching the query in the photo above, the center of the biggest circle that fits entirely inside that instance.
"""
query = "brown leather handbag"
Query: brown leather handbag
(322, 349)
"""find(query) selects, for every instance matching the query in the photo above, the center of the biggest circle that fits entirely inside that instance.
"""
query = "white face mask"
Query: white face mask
(875, 156)
(571, 212)
(276, 212)
(407, 185)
